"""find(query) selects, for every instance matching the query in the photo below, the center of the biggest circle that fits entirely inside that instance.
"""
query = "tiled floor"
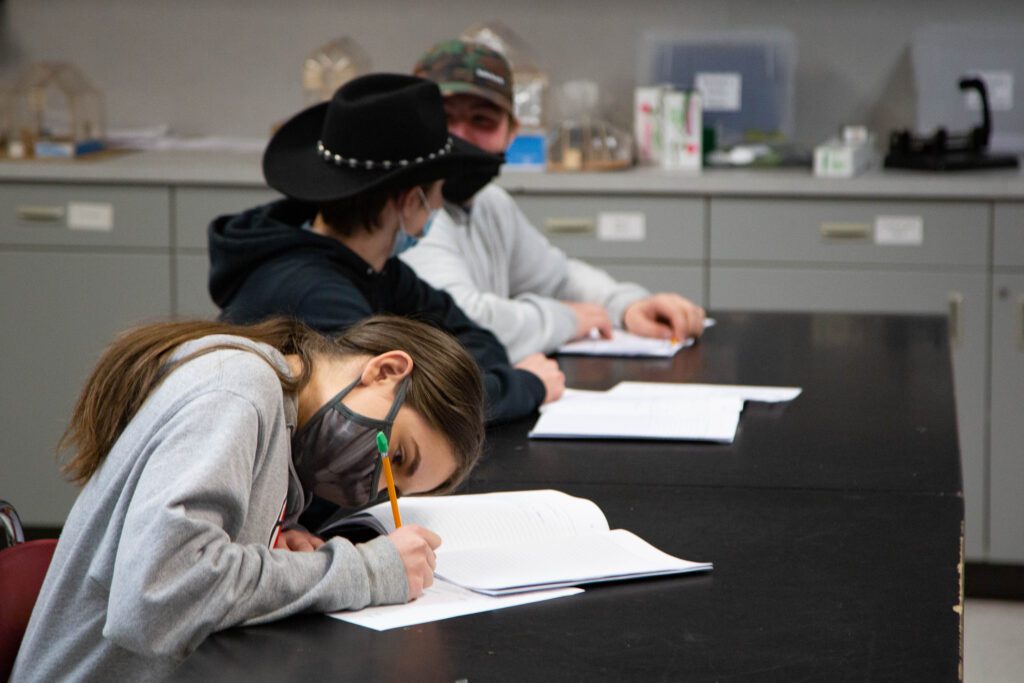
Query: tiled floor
(993, 641)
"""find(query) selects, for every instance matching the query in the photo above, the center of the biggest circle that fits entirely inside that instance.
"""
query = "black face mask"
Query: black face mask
(335, 452)
(460, 188)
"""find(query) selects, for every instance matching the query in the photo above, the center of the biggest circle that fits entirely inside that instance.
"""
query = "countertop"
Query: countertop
(243, 170)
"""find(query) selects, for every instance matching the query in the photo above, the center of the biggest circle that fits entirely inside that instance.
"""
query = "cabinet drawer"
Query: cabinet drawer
(196, 207)
(620, 227)
(84, 215)
(857, 231)
(1008, 241)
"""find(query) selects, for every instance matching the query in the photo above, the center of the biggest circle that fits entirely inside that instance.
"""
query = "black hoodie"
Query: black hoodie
(262, 263)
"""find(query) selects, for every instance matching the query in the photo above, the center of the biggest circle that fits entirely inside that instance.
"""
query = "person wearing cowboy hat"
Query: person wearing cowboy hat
(498, 267)
(362, 176)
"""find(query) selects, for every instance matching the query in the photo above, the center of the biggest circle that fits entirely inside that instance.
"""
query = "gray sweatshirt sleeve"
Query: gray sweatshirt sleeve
(506, 275)
(180, 574)
(468, 261)
(587, 283)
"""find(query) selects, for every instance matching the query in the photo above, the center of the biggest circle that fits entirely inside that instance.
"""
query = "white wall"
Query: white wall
(232, 66)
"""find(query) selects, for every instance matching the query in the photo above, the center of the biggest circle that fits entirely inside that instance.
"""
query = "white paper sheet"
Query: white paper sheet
(700, 392)
(607, 416)
(442, 601)
(627, 344)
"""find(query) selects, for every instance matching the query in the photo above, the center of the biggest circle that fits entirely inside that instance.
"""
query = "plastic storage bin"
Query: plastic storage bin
(942, 54)
(746, 78)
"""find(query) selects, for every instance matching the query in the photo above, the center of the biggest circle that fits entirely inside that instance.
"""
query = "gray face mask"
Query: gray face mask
(335, 452)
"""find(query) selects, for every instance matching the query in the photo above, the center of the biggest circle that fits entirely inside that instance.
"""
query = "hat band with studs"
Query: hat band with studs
(370, 164)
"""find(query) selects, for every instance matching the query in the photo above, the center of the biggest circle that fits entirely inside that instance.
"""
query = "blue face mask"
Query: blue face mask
(403, 240)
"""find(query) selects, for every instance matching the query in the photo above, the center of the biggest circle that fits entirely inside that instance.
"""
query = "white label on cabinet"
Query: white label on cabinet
(998, 85)
(719, 91)
(621, 227)
(907, 231)
(91, 216)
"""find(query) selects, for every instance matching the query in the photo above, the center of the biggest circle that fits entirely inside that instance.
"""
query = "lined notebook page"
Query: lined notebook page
(489, 519)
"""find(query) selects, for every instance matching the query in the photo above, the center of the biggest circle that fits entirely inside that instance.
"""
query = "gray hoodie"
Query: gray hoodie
(169, 540)
(509, 278)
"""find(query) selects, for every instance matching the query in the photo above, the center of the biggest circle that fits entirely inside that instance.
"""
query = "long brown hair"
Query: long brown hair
(444, 386)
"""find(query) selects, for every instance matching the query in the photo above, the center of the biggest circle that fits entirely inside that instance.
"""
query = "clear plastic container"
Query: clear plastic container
(529, 81)
(942, 54)
(746, 78)
(330, 66)
(55, 111)
(584, 141)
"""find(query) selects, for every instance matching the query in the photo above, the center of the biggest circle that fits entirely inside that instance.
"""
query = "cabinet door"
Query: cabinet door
(191, 293)
(59, 311)
(194, 209)
(963, 296)
(1007, 445)
(685, 280)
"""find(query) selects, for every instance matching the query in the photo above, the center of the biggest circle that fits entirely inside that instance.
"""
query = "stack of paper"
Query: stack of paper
(604, 415)
(652, 410)
(663, 390)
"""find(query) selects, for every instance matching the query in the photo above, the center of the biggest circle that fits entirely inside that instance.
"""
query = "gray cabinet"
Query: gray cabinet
(871, 257)
(194, 208)
(68, 289)
(85, 252)
(657, 242)
(1007, 406)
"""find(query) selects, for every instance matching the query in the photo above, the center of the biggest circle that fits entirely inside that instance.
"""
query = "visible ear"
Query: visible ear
(390, 367)
(407, 200)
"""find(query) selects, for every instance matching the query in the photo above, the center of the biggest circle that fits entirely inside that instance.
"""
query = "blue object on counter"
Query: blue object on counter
(527, 152)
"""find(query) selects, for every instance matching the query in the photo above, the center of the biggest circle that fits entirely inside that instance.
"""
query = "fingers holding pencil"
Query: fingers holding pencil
(416, 546)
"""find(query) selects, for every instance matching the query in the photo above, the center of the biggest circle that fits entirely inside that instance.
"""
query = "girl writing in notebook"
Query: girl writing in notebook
(198, 441)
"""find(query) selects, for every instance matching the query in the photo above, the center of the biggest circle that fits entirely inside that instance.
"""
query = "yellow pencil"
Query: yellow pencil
(389, 477)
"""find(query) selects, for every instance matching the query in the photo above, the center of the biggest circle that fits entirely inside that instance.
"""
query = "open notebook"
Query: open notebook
(521, 541)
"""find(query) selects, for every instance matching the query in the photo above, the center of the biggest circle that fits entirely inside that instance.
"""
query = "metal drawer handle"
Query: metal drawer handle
(846, 231)
(567, 226)
(40, 214)
(956, 300)
(1020, 322)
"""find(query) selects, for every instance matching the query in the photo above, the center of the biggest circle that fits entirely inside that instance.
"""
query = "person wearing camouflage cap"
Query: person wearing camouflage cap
(497, 266)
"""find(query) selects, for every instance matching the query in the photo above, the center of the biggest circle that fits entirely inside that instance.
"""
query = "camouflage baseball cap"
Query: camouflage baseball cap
(463, 67)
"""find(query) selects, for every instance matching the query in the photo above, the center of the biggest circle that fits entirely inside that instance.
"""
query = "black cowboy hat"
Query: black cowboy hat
(379, 131)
